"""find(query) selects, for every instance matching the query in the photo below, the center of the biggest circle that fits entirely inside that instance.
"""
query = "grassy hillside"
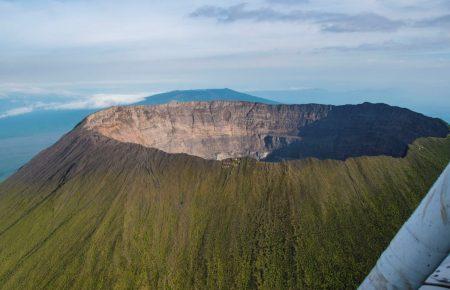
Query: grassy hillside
(92, 213)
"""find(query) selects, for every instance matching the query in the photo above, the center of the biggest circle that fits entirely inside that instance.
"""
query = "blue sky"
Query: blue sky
(90, 54)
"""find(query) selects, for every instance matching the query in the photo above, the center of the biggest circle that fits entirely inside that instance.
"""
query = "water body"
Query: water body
(22, 137)
(16, 151)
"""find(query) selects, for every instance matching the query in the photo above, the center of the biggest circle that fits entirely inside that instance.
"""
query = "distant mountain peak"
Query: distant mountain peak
(202, 95)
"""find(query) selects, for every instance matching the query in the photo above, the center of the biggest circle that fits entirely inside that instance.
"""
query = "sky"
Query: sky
(72, 54)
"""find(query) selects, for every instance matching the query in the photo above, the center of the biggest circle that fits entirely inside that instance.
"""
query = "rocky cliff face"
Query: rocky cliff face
(211, 130)
(226, 129)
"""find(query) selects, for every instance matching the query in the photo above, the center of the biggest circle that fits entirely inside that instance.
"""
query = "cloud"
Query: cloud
(96, 101)
(330, 22)
(394, 46)
(288, 2)
(7, 89)
(239, 12)
(16, 112)
(365, 22)
(441, 21)
(105, 46)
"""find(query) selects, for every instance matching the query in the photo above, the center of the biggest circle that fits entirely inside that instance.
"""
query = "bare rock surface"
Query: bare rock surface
(229, 129)
(211, 130)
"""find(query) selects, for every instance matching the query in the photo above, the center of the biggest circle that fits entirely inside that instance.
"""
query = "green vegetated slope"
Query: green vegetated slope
(92, 213)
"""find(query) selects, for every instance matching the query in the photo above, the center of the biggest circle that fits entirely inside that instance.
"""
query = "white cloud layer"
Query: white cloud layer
(16, 112)
(95, 101)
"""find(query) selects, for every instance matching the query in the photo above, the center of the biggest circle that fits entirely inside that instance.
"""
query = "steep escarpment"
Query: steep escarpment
(211, 130)
(224, 129)
(362, 130)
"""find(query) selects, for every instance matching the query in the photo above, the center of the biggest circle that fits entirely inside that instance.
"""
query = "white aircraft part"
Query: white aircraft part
(420, 246)
(440, 278)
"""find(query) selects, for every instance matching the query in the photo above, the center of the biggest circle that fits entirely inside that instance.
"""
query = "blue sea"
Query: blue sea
(23, 136)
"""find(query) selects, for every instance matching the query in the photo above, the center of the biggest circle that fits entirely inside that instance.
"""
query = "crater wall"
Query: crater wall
(211, 130)
(227, 129)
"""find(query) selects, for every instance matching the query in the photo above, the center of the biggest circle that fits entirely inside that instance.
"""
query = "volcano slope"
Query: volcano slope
(101, 209)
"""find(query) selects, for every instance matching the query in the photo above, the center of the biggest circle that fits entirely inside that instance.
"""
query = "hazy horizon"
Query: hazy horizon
(18, 104)
(91, 54)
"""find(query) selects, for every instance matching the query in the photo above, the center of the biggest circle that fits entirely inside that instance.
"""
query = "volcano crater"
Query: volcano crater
(229, 129)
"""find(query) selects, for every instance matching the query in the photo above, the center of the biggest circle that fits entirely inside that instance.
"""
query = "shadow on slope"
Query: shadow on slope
(361, 130)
